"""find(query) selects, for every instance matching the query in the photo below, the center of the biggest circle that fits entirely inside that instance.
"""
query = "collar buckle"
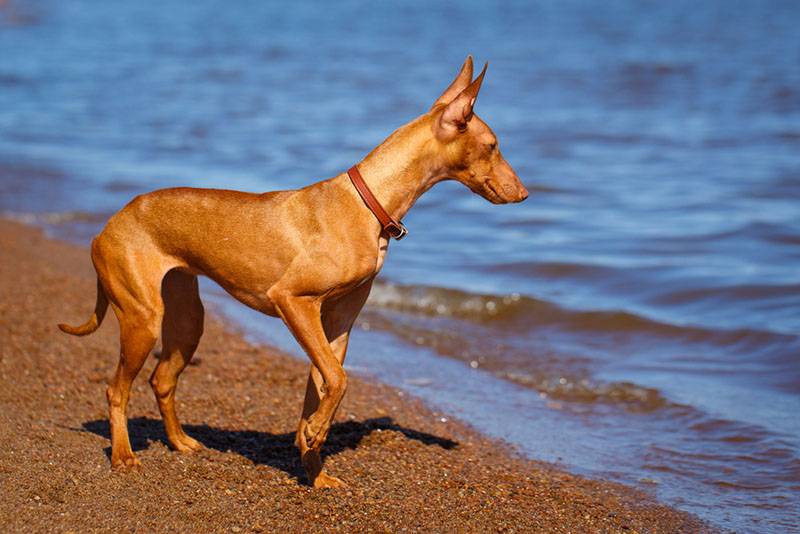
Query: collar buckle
(396, 230)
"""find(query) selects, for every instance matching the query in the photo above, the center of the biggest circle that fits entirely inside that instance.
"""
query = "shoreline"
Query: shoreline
(405, 467)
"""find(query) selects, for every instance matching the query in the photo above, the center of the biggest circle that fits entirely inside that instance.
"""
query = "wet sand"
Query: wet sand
(408, 467)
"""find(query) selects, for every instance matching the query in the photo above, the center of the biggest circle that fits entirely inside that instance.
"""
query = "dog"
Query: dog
(308, 256)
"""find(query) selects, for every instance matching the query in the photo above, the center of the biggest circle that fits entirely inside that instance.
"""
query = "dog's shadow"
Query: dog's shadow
(276, 450)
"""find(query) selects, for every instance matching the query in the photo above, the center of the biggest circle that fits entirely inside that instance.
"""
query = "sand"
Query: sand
(408, 467)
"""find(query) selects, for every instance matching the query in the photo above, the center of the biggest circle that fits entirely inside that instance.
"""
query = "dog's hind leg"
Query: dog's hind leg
(132, 287)
(138, 332)
(181, 329)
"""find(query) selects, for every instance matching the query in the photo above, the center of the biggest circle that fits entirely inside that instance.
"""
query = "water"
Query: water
(638, 318)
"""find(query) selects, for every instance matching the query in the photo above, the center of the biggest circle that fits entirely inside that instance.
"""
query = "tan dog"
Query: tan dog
(308, 256)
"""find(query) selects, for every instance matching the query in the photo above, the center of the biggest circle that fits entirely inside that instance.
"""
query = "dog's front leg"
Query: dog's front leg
(327, 381)
(312, 462)
(338, 317)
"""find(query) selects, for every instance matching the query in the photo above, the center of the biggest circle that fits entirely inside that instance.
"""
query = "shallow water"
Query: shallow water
(637, 318)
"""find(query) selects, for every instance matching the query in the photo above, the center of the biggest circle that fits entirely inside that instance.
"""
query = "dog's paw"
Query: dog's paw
(125, 463)
(325, 480)
(185, 444)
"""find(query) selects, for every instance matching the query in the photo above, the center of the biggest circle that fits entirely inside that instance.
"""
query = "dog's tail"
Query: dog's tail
(94, 321)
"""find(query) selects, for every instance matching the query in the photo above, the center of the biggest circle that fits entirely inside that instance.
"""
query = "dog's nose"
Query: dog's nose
(523, 193)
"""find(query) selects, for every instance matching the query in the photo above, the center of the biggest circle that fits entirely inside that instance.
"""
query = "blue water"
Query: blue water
(637, 318)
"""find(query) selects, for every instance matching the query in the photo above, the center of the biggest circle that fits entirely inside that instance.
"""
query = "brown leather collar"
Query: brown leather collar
(395, 229)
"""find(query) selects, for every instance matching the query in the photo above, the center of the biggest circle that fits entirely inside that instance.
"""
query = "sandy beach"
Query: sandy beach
(408, 467)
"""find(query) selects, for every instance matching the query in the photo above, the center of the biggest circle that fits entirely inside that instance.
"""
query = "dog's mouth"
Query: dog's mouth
(490, 193)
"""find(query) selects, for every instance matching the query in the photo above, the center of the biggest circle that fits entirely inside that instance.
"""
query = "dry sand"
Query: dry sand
(407, 470)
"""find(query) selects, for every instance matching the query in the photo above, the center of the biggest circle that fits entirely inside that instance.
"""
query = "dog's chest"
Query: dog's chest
(383, 247)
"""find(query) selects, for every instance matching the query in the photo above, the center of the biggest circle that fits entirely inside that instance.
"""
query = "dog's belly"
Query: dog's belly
(256, 300)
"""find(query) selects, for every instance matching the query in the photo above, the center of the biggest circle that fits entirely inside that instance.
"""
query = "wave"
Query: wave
(738, 293)
(633, 397)
(557, 270)
(441, 301)
(516, 312)
(56, 218)
(557, 376)
(558, 351)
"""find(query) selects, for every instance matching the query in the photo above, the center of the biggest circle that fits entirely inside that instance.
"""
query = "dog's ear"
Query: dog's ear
(458, 113)
(458, 85)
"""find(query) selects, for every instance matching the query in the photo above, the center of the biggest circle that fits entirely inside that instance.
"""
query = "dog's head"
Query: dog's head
(468, 151)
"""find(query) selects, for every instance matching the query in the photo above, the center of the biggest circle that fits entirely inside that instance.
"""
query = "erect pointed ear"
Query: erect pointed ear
(458, 85)
(458, 113)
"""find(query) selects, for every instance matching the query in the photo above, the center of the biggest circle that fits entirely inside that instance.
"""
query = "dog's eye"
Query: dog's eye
(492, 146)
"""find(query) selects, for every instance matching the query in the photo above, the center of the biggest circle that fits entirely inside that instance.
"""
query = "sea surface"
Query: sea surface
(637, 318)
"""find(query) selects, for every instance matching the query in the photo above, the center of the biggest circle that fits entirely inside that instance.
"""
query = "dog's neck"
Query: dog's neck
(401, 169)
